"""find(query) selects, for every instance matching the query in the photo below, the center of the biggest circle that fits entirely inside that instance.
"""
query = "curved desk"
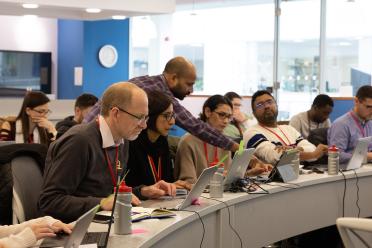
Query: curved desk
(309, 203)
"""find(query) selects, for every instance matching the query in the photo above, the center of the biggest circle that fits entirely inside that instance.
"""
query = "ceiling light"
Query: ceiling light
(118, 17)
(30, 6)
(93, 10)
(30, 16)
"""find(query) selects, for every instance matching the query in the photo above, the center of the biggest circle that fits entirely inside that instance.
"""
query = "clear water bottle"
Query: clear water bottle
(333, 160)
(216, 184)
(123, 210)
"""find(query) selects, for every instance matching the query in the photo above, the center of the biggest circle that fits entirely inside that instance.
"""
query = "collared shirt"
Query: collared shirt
(302, 124)
(107, 139)
(184, 118)
(344, 133)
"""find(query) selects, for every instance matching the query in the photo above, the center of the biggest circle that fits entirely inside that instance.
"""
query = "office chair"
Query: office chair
(349, 225)
(27, 184)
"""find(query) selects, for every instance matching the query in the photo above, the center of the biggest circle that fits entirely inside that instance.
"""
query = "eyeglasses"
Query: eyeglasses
(140, 119)
(223, 115)
(43, 111)
(169, 116)
(261, 105)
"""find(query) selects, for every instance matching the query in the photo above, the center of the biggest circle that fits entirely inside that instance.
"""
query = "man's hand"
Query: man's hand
(59, 226)
(257, 167)
(108, 202)
(320, 151)
(159, 189)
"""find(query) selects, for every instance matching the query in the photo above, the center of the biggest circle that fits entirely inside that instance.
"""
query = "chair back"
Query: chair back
(27, 184)
(348, 225)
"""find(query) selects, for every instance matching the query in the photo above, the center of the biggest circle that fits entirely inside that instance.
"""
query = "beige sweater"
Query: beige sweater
(191, 159)
(21, 235)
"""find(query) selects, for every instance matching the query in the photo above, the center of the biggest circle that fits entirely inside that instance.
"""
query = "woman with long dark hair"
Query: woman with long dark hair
(149, 156)
(31, 125)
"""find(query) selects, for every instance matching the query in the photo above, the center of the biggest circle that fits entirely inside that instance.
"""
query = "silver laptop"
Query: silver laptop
(78, 232)
(358, 157)
(238, 167)
(192, 196)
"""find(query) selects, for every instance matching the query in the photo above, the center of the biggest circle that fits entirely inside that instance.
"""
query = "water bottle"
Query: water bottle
(123, 210)
(333, 160)
(216, 184)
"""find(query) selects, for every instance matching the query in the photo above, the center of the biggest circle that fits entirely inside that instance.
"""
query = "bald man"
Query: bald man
(83, 165)
(177, 81)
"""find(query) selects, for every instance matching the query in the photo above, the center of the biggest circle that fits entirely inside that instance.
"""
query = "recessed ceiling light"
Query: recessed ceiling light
(118, 17)
(93, 10)
(30, 5)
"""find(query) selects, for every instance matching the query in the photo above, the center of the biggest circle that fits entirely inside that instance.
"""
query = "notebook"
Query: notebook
(192, 196)
(238, 167)
(78, 232)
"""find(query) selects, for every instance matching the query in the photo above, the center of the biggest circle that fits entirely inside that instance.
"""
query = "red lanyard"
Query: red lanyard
(109, 165)
(215, 155)
(358, 123)
(30, 139)
(155, 173)
(289, 143)
(117, 164)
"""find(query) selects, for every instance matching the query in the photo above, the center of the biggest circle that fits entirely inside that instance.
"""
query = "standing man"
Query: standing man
(82, 166)
(270, 139)
(355, 124)
(177, 81)
(316, 117)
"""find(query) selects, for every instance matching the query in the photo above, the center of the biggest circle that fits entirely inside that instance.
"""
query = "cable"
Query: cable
(228, 210)
(360, 238)
(343, 198)
(201, 221)
(357, 201)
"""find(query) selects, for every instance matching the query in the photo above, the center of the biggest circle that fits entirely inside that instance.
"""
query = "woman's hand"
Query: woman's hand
(180, 184)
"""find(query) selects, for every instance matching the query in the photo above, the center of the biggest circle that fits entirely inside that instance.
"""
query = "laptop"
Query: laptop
(358, 157)
(192, 196)
(238, 167)
(283, 170)
(78, 233)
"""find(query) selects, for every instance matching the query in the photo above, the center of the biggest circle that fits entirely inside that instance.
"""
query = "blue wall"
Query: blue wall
(70, 55)
(96, 34)
(78, 45)
(341, 107)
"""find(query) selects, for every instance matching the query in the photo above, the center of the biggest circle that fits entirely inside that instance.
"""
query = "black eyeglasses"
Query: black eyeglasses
(43, 111)
(169, 116)
(223, 115)
(140, 119)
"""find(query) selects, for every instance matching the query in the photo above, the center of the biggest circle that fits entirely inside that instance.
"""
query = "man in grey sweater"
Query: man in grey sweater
(82, 167)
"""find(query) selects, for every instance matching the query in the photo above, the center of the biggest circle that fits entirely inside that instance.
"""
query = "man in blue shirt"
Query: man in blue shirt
(355, 124)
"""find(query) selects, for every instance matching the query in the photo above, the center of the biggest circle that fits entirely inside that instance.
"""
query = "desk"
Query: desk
(259, 219)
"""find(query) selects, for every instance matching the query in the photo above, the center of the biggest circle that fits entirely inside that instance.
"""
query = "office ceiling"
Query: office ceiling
(75, 9)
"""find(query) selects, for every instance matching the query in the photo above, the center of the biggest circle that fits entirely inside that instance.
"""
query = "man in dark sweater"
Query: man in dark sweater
(82, 166)
(83, 105)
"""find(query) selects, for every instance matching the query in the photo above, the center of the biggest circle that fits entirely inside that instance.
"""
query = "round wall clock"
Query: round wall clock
(108, 56)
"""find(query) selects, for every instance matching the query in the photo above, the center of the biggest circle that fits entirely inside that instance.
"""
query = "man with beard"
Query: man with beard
(82, 167)
(177, 82)
(270, 139)
(315, 118)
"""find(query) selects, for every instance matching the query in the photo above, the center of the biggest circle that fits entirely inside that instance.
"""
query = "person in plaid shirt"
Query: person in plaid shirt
(177, 81)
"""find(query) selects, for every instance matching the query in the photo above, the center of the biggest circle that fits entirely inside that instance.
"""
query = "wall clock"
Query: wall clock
(108, 56)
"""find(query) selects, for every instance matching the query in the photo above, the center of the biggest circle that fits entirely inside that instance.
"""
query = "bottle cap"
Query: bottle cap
(123, 188)
(333, 148)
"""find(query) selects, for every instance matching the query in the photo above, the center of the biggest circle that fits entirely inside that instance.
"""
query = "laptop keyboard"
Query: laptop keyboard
(95, 238)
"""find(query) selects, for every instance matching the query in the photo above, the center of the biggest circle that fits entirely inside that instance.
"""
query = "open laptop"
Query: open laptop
(78, 232)
(358, 157)
(238, 167)
(283, 170)
(193, 195)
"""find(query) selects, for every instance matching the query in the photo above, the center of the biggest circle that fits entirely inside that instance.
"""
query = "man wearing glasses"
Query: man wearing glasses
(83, 166)
(267, 136)
(355, 124)
(177, 82)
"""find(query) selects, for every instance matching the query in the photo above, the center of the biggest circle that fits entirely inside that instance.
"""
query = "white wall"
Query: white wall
(31, 34)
